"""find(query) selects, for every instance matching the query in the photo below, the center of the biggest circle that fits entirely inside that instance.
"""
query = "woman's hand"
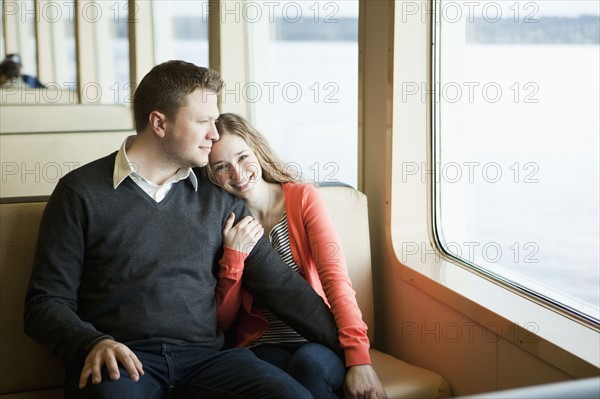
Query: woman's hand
(362, 382)
(244, 235)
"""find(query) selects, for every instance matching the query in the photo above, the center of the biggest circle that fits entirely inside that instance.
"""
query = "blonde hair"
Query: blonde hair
(273, 169)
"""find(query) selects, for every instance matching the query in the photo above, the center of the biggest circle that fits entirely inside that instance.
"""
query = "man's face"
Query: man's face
(190, 133)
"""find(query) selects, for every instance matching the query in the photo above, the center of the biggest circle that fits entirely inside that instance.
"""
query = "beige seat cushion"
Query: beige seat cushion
(402, 380)
(24, 365)
(349, 213)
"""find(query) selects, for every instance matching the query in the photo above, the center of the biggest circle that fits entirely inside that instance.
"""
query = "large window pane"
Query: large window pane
(181, 31)
(303, 85)
(516, 130)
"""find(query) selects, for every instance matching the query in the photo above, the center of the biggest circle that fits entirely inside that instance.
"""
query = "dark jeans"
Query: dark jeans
(187, 371)
(315, 366)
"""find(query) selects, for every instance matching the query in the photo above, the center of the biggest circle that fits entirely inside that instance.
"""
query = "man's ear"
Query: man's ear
(157, 122)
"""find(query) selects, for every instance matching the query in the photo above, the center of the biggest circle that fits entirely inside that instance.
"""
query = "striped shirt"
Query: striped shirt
(278, 331)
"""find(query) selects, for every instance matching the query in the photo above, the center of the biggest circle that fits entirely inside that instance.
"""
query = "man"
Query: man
(122, 288)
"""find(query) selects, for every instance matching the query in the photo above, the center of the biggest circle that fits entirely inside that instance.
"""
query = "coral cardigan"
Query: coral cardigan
(317, 251)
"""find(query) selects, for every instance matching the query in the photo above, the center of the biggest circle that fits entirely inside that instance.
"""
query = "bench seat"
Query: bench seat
(27, 371)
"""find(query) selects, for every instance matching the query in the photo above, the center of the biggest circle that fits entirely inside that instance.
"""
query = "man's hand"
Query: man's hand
(362, 382)
(243, 236)
(109, 353)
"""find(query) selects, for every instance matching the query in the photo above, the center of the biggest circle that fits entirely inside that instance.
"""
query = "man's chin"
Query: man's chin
(199, 163)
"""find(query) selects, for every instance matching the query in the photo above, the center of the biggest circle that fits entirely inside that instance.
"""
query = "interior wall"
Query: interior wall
(473, 358)
(32, 164)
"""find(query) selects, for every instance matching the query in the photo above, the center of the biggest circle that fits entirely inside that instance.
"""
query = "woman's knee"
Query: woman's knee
(315, 362)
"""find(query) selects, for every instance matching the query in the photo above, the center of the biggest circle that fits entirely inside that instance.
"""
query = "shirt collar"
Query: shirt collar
(125, 168)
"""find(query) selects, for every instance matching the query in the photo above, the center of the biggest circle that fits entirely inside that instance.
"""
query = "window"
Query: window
(181, 31)
(18, 21)
(302, 85)
(44, 34)
(110, 34)
(516, 125)
(80, 51)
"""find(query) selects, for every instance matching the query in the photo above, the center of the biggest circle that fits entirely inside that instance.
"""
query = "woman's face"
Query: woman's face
(235, 165)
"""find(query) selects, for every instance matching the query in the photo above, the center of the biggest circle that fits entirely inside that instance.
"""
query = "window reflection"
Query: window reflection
(78, 49)
(18, 22)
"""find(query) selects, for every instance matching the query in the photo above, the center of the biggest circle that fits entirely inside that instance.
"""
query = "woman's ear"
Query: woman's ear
(157, 122)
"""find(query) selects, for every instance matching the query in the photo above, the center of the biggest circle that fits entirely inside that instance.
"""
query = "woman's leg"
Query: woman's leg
(319, 369)
(273, 354)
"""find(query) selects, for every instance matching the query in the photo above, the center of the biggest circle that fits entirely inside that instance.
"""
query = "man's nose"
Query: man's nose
(213, 133)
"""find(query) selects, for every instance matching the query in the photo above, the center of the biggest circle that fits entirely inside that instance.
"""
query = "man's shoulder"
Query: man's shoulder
(209, 193)
(206, 187)
(99, 170)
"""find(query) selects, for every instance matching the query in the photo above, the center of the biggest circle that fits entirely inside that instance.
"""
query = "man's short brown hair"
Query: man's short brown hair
(166, 87)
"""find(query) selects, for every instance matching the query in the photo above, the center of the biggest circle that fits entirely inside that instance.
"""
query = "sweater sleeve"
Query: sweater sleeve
(332, 268)
(272, 283)
(51, 302)
(275, 285)
(229, 286)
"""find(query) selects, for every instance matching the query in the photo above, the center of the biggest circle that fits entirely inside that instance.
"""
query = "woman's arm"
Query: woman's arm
(238, 241)
(361, 380)
(330, 262)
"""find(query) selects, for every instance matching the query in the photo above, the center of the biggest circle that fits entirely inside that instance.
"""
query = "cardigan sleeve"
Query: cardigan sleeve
(229, 286)
(330, 262)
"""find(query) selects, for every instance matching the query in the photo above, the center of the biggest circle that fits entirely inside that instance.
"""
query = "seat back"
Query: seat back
(348, 210)
(24, 365)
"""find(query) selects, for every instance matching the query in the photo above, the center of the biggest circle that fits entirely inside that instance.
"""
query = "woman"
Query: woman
(296, 221)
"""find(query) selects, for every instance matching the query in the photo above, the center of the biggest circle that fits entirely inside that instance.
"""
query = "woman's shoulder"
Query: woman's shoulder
(303, 188)
(302, 196)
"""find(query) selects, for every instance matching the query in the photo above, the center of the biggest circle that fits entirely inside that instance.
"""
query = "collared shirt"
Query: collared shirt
(125, 168)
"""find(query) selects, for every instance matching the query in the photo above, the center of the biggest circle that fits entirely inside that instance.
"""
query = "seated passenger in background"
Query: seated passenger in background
(10, 74)
(296, 220)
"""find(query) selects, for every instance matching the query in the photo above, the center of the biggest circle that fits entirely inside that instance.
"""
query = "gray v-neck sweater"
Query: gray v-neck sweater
(115, 263)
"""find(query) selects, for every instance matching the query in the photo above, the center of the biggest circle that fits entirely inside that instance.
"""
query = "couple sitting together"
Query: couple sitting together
(143, 263)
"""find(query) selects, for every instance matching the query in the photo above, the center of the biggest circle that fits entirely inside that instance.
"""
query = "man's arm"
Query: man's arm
(51, 301)
(274, 284)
